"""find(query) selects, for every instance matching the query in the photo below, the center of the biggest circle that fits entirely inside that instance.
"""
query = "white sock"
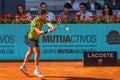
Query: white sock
(37, 68)
(24, 64)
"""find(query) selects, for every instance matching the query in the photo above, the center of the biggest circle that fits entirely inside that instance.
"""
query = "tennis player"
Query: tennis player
(32, 38)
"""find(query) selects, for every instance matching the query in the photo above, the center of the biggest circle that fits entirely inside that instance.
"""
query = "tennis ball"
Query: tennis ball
(67, 29)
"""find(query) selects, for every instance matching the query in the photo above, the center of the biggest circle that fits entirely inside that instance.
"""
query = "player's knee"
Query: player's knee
(37, 53)
(30, 52)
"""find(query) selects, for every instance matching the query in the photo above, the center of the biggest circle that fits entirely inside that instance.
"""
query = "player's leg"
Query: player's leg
(23, 67)
(28, 55)
(37, 55)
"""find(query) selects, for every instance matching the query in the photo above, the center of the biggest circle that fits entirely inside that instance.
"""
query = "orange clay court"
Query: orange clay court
(58, 70)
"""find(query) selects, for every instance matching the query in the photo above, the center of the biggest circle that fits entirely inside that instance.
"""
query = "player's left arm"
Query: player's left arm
(51, 26)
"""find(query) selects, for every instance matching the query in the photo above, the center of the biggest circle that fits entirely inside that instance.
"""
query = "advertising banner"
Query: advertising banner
(68, 42)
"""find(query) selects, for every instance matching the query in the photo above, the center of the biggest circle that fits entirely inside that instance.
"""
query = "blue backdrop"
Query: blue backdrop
(61, 44)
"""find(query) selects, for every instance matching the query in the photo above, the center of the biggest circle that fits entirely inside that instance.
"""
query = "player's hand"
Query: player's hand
(54, 28)
(50, 30)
